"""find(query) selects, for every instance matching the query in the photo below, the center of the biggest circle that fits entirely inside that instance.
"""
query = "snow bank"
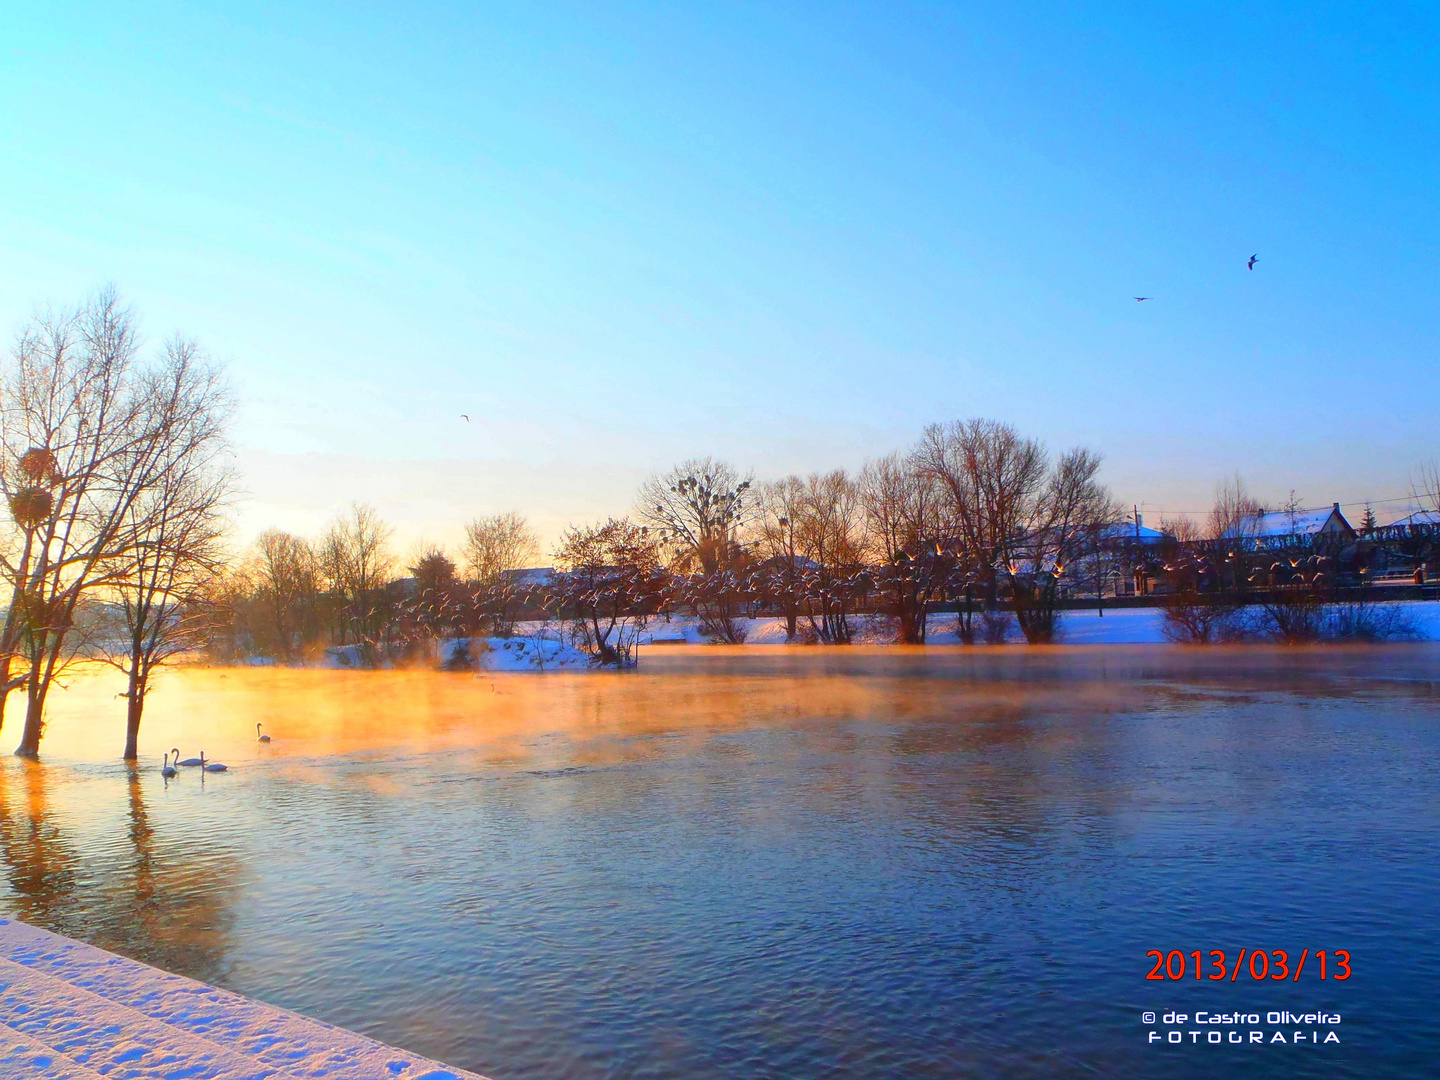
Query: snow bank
(1117, 626)
(75, 1012)
(531, 653)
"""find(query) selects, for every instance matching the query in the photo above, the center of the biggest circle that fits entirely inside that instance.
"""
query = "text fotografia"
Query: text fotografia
(1291, 1029)
(1273, 965)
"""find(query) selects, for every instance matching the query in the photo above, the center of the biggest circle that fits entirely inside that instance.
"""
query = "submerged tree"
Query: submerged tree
(162, 576)
(85, 433)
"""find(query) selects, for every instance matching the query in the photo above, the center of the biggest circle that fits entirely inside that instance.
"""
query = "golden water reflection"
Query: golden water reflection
(312, 715)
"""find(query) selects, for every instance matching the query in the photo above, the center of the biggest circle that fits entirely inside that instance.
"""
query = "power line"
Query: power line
(1407, 499)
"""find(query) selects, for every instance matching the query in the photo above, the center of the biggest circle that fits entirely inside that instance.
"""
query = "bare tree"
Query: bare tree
(698, 507)
(1425, 486)
(162, 575)
(286, 576)
(830, 535)
(1235, 512)
(780, 569)
(1184, 528)
(355, 555)
(611, 583)
(1019, 517)
(991, 477)
(905, 534)
(498, 543)
(494, 546)
(83, 435)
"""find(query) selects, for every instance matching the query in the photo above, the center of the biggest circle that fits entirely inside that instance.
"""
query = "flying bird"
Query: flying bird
(1141, 299)
(1253, 260)
(465, 417)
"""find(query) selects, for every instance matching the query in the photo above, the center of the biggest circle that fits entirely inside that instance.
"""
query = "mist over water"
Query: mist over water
(769, 862)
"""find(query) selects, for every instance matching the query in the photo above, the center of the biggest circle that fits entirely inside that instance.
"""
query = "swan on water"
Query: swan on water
(210, 766)
(168, 770)
(261, 738)
(188, 761)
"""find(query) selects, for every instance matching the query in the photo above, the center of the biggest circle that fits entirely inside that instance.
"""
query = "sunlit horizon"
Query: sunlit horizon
(788, 239)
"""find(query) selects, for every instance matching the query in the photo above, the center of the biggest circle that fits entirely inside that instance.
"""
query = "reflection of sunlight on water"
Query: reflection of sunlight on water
(497, 719)
(514, 719)
(772, 861)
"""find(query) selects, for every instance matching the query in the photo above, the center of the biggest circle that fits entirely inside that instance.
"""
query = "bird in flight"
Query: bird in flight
(465, 417)
(1141, 299)
(1253, 260)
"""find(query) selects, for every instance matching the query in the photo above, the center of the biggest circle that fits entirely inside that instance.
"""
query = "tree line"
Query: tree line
(973, 512)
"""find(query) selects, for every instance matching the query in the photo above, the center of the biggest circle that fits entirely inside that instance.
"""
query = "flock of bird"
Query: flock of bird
(169, 769)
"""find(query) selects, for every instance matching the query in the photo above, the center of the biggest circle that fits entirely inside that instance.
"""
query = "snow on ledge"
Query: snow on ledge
(70, 1010)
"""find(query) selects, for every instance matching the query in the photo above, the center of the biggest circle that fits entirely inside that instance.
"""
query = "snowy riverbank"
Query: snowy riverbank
(1117, 626)
(69, 1011)
(542, 647)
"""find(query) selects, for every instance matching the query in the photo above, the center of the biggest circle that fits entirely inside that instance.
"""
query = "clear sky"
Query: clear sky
(617, 236)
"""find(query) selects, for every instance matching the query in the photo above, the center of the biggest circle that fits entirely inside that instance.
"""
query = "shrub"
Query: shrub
(995, 626)
(1195, 618)
(1362, 620)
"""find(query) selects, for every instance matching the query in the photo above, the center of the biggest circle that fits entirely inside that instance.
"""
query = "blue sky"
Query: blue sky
(617, 236)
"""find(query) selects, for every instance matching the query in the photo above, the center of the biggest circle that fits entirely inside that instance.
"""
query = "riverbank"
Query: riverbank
(70, 1011)
(542, 646)
(1107, 625)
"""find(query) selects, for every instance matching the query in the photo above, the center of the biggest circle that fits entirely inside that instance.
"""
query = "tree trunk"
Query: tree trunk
(34, 710)
(135, 706)
(4, 685)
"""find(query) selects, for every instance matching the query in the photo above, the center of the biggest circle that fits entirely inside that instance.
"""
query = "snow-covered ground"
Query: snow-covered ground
(1117, 626)
(69, 1011)
(533, 652)
(541, 647)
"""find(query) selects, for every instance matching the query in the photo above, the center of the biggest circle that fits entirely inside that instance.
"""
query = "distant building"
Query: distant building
(1419, 517)
(529, 577)
(1135, 532)
(1280, 524)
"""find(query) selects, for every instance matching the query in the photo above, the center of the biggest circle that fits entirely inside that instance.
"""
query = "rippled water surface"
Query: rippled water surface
(773, 862)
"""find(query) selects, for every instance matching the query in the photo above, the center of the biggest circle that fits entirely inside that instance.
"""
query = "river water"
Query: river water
(774, 862)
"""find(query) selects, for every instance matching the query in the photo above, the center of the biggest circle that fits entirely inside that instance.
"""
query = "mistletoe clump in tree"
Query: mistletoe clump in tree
(697, 510)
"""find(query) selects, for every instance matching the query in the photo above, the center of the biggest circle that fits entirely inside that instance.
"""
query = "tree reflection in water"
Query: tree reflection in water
(141, 897)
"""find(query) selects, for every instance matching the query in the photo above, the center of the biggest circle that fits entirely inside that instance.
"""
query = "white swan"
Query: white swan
(168, 770)
(261, 738)
(211, 766)
(188, 761)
